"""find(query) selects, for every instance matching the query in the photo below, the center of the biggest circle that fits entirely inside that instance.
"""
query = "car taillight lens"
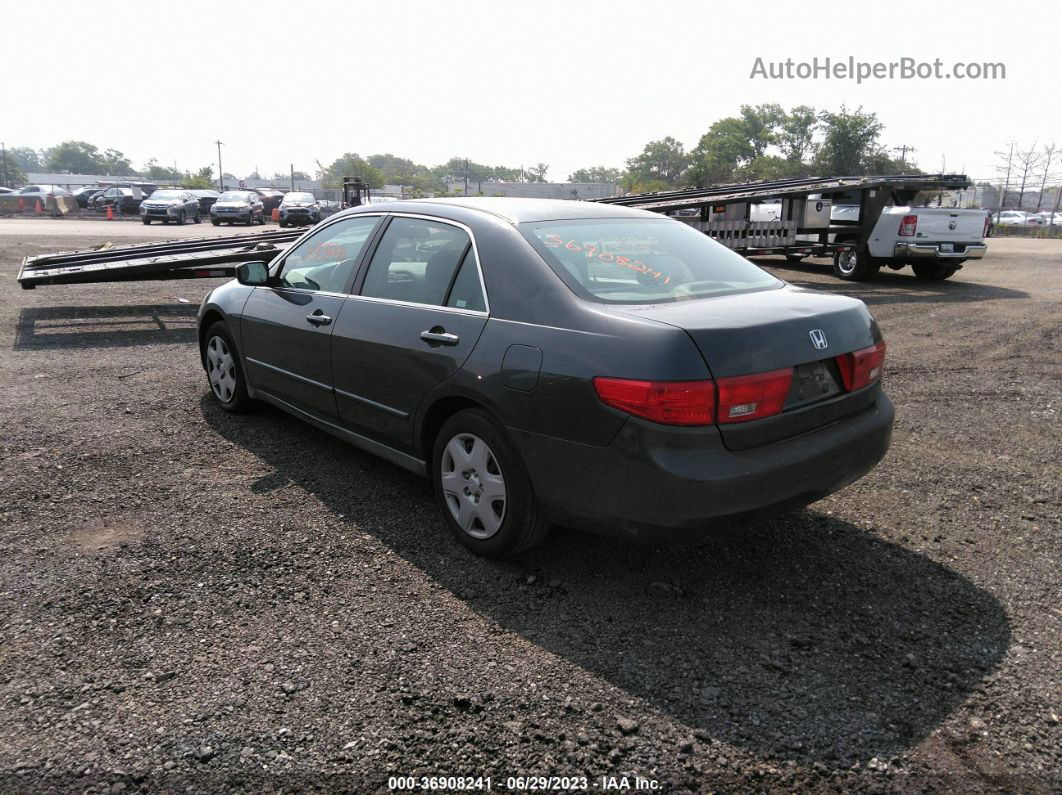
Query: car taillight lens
(988, 220)
(666, 402)
(907, 225)
(863, 367)
(750, 397)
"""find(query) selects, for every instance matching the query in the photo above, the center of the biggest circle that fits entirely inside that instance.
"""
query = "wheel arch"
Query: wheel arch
(436, 416)
(210, 317)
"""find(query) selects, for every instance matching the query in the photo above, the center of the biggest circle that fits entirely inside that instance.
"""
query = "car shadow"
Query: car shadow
(104, 326)
(889, 286)
(807, 638)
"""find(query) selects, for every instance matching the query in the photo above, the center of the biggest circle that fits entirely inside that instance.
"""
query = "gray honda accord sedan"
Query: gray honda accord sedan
(557, 362)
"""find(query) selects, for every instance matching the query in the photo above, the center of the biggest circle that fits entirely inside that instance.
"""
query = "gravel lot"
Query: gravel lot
(190, 599)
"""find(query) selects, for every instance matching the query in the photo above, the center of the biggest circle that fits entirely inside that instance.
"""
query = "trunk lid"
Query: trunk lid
(769, 330)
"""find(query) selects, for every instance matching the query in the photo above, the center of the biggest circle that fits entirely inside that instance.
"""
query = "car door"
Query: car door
(418, 312)
(286, 325)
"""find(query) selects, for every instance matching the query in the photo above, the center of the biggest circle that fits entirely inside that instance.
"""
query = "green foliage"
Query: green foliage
(536, 173)
(152, 170)
(203, 178)
(12, 170)
(664, 161)
(28, 159)
(850, 142)
(81, 157)
(349, 165)
(596, 174)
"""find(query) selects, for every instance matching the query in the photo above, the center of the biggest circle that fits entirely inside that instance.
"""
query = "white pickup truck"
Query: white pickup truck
(934, 241)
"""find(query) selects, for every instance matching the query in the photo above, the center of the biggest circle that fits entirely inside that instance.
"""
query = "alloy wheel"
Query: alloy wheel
(473, 484)
(221, 369)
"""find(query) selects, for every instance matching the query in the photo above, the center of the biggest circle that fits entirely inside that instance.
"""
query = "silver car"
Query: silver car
(170, 205)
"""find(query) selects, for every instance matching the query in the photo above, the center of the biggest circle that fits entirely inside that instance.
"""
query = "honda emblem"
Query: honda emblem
(818, 339)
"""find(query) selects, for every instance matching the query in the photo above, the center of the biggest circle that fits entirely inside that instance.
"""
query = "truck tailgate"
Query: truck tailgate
(936, 224)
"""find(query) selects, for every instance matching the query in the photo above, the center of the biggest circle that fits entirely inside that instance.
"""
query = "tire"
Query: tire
(855, 266)
(497, 528)
(196, 219)
(794, 259)
(182, 219)
(261, 220)
(224, 373)
(215, 221)
(147, 221)
(282, 224)
(250, 219)
(933, 271)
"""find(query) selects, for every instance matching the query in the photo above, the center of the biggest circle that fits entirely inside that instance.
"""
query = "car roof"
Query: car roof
(518, 211)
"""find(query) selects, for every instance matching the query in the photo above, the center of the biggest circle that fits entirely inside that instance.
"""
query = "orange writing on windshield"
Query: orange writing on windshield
(593, 251)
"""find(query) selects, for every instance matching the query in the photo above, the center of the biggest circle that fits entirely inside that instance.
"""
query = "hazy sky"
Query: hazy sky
(567, 83)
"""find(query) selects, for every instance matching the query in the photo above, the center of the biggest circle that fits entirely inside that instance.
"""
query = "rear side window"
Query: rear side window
(635, 261)
(416, 261)
(467, 292)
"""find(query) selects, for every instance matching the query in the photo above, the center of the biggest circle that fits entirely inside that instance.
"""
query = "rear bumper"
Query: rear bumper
(932, 251)
(664, 482)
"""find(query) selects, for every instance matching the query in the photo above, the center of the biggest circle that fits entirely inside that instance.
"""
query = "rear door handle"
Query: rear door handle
(319, 318)
(439, 336)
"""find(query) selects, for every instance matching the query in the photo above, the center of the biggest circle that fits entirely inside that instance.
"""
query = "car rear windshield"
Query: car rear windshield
(635, 261)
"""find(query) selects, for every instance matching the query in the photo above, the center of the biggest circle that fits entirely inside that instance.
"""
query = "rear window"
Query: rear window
(634, 261)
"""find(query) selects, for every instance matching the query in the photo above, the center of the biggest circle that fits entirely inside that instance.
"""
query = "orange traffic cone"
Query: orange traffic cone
(37, 207)
(110, 213)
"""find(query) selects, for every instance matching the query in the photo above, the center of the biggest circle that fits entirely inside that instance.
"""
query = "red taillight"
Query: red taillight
(750, 397)
(666, 402)
(907, 225)
(863, 367)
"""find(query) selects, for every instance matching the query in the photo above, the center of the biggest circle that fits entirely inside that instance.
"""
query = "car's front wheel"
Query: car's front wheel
(215, 221)
(223, 370)
(483, 487)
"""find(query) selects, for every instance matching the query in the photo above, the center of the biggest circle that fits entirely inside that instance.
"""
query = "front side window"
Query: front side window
(635, 261)
(326, 261)
(416, 261)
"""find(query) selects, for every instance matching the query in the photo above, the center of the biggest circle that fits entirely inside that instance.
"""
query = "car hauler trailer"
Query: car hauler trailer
(797, 218)
(195, 258)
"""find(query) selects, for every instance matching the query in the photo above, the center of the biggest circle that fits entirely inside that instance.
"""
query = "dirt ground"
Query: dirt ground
(196, 601)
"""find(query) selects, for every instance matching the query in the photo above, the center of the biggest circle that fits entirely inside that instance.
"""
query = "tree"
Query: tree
(595, 174)
(660, 162)
(28, 159)
(761, 123)
(203, 178)
(1025, 165)
(74, 157)
(349, 165)
(152, 170)
(11, 173)
(114, 163)
(720, 152)
(796, 134)
(850, 141)
(536, 173)
(396, 170)
(1050, 153)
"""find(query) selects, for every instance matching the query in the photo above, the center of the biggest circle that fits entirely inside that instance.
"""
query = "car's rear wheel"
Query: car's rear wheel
(483, 487)
(223, 370)
(196, 218)
(215, 221)
(854, 265)
(933, 271)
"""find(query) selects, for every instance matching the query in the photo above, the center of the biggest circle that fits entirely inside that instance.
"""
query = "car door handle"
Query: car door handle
(439, 336)
(318, 318)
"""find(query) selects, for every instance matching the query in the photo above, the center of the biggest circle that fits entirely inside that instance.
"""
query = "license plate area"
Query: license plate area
(812, 382)
(947, 248)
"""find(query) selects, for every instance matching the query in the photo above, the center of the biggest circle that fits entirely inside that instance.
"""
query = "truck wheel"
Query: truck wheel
(933, 271)
(483, 488)
(854, 266)
(794, 259)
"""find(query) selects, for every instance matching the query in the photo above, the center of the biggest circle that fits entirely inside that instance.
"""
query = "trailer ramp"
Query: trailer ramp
(195, 258)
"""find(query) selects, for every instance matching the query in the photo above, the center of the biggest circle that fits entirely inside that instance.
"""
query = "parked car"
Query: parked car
(43, 192)
(592, 405)
(83, 195)
(170, 204)
(1016, 218)
(244, 206)
(206, 199)
(6, 190)
(123, 200)
(299, 208)
(271, 198)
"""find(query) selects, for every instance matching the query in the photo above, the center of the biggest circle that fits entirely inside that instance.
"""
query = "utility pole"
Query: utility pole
(221, 174)
(3, 164)
(903, 150)
(291, 166)
(1006, 183)
(466, 176)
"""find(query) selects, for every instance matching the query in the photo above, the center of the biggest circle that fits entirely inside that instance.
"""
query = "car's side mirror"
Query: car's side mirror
(253, 274)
